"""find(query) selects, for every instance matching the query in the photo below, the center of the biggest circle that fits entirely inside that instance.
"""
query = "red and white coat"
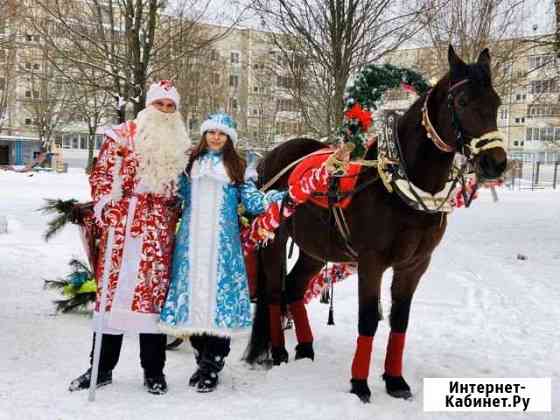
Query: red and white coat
(138, 230)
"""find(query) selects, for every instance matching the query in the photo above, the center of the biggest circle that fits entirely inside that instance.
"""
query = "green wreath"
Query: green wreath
(365, 92)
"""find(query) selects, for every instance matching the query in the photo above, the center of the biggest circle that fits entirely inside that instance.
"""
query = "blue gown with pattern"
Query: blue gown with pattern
(208, 292)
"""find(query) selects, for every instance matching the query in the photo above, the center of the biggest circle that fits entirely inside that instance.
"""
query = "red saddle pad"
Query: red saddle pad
(316, 159)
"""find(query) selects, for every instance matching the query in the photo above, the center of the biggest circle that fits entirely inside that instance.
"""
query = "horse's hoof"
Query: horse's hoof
(361, 389)
(279, 355)
(397, 387)
(305, 351)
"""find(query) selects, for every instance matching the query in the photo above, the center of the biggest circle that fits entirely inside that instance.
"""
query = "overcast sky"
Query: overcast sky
(538, 15)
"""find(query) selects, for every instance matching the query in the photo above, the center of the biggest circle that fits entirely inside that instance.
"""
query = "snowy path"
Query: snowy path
(478, 312)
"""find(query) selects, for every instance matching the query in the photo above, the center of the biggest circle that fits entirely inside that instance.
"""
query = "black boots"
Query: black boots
(210, 354)
(84, 380)
(155, 384)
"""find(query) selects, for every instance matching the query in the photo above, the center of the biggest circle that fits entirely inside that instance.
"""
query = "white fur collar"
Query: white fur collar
(210, 165)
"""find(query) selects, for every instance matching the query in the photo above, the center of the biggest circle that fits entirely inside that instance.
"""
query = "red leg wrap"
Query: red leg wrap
(301, 321)
(276, 333)
(394, 356)
(362, 358)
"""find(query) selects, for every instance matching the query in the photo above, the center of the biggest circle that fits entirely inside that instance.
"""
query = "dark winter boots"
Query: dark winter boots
(155, 384)
(84, 380)
(210, 355)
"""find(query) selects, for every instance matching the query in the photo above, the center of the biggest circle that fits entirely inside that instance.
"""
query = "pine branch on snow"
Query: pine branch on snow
(63, 210)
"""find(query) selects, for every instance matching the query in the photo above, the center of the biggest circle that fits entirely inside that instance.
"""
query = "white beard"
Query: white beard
(161, 144)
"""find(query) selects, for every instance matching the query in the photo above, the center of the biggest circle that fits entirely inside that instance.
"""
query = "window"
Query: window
(215, 78)
(520, 120)
(543, 134)
(542, 110)
(75, 142)
(284, 82)
(214, 55)
(516, 143)
(520, 97)
(543, 86)
(234, 57)
(98, 141)
(84, 142)
(233, 104)
(503, 114)
(28, 94)
(66, 142)
(234, 80)
(36, 66)
(538, 61)
(287, 105)
(28, 121)
(28, 66)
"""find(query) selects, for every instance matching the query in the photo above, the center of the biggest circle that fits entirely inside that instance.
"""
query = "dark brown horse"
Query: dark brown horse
(384, 230)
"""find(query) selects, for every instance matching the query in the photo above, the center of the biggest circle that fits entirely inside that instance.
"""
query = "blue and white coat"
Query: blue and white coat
(208, 292)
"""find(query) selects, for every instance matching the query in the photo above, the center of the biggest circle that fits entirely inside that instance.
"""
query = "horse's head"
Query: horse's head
(473, 104)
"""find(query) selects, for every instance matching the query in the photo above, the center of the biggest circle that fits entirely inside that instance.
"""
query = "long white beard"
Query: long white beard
(161, 144)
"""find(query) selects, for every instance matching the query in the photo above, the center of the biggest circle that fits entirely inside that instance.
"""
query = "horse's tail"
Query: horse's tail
(258, 348)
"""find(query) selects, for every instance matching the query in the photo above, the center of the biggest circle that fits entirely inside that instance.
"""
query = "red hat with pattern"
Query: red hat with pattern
(163, 89)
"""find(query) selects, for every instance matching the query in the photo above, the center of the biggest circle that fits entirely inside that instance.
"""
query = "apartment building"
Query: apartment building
(241, 74)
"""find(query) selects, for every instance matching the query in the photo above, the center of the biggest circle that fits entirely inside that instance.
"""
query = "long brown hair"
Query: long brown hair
(235, 164)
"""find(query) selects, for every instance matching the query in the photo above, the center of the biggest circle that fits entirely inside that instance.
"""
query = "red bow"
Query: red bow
(360, 114)
(166, 84)
(408, 88)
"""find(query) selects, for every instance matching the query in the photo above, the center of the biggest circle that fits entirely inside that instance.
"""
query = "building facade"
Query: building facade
(240, 73)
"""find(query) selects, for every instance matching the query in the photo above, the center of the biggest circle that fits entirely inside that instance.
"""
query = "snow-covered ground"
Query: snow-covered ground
(479, 312)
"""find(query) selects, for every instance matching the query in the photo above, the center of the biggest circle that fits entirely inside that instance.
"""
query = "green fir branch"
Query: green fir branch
(63, 211)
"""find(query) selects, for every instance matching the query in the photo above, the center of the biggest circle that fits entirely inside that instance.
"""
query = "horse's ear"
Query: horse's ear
(484, 57)
(457, 67)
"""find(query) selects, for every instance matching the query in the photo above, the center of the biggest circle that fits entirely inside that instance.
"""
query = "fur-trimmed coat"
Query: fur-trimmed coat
(136, 243)
(209, 291)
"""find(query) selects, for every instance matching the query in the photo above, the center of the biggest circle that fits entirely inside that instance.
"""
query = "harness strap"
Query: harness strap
(283, 171)
(344, 230)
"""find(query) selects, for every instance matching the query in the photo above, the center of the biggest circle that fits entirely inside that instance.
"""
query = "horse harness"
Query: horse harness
(392, 171)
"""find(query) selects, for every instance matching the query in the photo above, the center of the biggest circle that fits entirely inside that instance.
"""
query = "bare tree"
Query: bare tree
(125, 42)
(470, 26)
(201, 79)
(324, 41)
(47, 96)
(91, 107)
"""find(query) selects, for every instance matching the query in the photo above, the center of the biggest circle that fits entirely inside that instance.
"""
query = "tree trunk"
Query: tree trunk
(91, 149)
(557, 34)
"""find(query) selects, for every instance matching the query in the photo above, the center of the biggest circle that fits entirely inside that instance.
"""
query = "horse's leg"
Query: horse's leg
(274, 257)
(296, 285)
(370, 270)
(267, 336)
(405, 280)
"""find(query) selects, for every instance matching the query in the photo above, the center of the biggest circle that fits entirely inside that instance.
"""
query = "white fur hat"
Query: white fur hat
(163, 89)
(222, 122)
